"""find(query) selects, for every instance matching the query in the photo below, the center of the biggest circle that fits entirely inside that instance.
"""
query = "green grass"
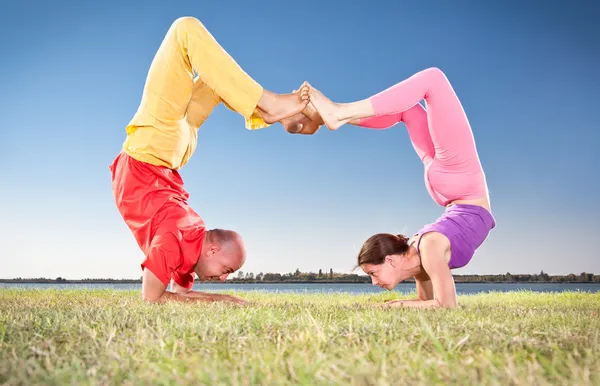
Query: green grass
(58, 337)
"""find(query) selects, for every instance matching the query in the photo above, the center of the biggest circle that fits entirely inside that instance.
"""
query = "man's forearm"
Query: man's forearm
(214, 297)
(186, 297)
(209, 297)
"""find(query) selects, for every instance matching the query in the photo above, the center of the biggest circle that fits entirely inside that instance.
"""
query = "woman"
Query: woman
(442, 138)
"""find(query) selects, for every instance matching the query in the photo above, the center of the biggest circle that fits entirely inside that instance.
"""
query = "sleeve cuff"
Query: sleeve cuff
(255, 122)
(186, 281)
(155, 269)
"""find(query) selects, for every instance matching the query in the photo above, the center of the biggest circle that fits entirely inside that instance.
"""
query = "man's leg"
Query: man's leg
(187, 47)
(202, 103)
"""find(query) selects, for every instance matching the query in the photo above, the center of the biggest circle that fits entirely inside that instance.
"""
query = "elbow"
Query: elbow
(447, 303)
(148, 298)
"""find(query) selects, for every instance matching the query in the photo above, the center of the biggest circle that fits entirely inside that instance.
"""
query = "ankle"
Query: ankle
(356, 110)
(344, 111)
(266, 101)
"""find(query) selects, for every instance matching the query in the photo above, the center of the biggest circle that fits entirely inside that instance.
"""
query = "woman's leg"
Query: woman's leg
(456, 168)
(448, 125)
(415, 119)
(382, 122)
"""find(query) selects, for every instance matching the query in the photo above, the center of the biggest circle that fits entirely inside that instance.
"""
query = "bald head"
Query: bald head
(223, 253)
(229, 242)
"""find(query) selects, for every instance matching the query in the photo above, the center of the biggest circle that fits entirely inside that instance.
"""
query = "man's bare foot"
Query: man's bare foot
(275, 107)
(300, 124)
(330, 112)
(292, 124)
(311, 113)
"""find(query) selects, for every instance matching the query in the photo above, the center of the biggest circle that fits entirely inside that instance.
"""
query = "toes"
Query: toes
(305, 87)
(304, 94)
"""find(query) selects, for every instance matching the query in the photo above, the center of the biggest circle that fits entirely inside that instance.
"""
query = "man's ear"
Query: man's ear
(214, 248)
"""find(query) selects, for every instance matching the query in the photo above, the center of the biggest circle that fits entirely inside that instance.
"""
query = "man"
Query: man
(161, 138)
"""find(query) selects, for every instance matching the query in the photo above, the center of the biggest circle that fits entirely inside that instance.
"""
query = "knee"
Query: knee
(435, 73)
(186, 22)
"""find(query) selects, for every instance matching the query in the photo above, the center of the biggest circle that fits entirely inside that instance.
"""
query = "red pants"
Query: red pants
(153, 202)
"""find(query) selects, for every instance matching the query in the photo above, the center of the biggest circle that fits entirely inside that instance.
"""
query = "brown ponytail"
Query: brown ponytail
(378, 246)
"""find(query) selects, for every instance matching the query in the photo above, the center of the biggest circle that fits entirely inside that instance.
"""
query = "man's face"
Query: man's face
(218, 263)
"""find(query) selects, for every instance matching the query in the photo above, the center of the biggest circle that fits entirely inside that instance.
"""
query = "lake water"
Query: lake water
(461, 288)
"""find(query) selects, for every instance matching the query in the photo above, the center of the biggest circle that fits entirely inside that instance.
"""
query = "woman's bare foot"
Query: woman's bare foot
(331, 113)
(275, 107)
(310, 112)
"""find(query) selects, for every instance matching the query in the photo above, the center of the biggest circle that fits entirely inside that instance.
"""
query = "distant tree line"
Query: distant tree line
(334, 277)
(298, 276)
(61, 280)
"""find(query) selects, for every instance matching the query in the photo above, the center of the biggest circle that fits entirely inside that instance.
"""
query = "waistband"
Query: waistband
(487, 216)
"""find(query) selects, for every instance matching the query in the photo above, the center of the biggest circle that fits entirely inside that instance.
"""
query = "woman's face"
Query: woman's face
(384, 275)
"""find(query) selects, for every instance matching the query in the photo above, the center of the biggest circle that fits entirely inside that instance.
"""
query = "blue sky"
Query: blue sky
(72, 74)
